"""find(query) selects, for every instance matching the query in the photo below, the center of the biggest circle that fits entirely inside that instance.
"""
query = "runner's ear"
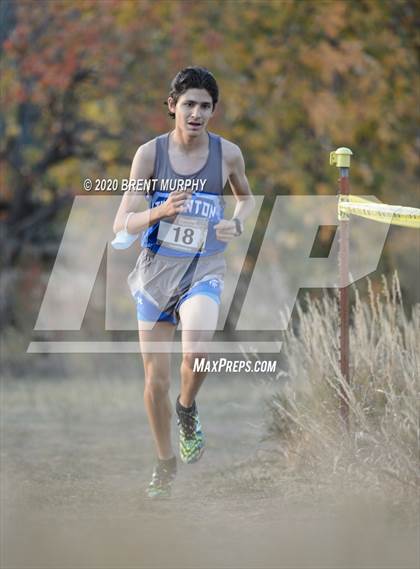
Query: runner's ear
(171, 104)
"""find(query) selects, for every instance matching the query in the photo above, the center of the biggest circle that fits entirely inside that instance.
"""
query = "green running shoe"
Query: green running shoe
(163, 475)
(191, 437)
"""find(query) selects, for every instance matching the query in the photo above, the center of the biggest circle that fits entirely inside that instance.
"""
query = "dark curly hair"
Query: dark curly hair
(193, 78)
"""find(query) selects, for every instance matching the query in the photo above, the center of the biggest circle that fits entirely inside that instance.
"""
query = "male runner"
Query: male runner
(179, 273)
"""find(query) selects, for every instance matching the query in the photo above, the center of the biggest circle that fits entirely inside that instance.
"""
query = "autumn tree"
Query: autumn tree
(83, 85)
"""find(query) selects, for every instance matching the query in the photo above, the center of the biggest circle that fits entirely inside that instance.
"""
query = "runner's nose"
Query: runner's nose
(195, 113)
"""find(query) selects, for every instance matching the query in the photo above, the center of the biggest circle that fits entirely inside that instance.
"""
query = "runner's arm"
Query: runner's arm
(142, 169)
(239, 184)
(245, 202)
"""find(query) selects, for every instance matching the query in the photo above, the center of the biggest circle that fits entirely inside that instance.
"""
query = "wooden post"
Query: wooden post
(341, 158)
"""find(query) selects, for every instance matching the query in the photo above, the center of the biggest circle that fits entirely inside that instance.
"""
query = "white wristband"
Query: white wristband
(126, 220)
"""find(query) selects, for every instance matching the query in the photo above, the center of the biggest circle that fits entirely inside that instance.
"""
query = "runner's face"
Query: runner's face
(193, 111)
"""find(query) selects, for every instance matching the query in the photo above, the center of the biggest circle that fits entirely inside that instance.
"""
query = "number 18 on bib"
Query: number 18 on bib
(184, 234)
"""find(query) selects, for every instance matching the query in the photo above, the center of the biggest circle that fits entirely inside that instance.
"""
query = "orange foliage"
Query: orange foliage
(297, 80)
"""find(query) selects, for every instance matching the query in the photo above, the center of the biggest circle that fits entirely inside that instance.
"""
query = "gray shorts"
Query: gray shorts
(160, 284)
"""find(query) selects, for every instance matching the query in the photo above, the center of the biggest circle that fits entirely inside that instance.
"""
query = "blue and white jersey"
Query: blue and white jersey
(192, 232)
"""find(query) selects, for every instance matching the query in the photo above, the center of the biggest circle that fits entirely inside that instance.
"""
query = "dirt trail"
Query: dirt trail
(77, 455)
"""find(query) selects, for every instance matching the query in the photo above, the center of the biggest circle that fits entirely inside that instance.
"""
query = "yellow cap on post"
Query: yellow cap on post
(341, 157)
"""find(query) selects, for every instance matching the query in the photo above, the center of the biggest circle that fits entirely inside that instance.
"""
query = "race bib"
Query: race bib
(184, 234)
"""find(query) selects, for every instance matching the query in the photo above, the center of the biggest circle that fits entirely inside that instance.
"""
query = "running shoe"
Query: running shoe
(163, 475)
(191, 437)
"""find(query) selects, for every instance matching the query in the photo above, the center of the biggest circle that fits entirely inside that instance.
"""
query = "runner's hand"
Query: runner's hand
(175, 203)
(225, 230)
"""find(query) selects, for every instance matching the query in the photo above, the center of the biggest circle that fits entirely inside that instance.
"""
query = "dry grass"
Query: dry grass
(380, 451)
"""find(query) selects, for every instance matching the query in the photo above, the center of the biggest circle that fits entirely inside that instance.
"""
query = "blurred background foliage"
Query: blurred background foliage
(83, 85)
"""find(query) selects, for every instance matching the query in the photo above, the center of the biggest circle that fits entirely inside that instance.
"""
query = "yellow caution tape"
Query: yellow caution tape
(357, 199)
(391, 214)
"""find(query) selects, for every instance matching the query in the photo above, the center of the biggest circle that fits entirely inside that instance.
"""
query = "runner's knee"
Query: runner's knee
(189, 359)
(157, 382)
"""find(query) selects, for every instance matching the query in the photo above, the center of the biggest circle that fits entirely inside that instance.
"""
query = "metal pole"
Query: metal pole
(341, 157)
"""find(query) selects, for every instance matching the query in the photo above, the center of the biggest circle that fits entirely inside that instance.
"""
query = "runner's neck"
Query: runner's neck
(185, 144)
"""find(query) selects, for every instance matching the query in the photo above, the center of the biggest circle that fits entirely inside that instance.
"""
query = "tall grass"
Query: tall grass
(381, 445)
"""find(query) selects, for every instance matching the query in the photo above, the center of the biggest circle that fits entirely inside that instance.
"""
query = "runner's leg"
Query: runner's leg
(157, 372)
(198, 315)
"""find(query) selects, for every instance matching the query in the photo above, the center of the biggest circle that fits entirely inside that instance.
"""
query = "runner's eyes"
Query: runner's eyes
(205, 106)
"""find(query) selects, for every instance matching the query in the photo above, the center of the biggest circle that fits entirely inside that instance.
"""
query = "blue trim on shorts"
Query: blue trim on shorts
(203, 288)
(149, 312)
